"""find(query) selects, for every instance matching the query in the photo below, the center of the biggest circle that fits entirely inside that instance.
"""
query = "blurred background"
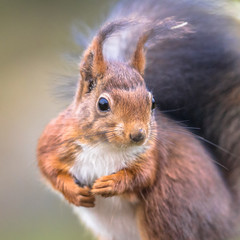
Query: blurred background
(35, 37)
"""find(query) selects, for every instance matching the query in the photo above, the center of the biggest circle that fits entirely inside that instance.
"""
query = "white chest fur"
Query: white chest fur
(112, 218)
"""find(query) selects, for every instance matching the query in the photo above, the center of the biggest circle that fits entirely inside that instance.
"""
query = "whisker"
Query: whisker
(96, 134)
(221, 165)
(203, 139)
(193, 128)
(161, 140)
(217, 146)
(171, 110)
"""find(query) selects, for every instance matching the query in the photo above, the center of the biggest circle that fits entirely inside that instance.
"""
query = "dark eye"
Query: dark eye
(103, 104)
(153, 103)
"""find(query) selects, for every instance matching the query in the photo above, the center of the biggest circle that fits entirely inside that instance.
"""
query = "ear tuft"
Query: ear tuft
(139, 59)
(93, 66)
(98, 64)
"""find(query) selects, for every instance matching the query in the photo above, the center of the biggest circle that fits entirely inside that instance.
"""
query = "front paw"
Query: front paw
(108, 186)
(75, 192)
(81, 197)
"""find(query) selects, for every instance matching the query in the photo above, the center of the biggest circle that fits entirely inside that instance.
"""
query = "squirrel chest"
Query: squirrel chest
(115, 216)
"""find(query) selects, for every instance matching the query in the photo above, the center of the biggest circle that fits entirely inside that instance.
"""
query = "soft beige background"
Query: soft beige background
(34, 35)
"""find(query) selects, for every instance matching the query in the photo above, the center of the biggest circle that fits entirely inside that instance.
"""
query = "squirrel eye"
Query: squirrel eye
(103, 104)
(153, 103)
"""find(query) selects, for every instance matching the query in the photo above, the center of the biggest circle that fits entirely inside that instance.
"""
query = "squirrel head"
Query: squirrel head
(112, 103)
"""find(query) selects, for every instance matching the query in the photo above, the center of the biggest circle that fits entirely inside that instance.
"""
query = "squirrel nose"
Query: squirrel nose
(137, 136)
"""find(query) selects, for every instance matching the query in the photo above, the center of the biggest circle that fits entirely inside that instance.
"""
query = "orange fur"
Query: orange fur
(138, 60)
(172, 179)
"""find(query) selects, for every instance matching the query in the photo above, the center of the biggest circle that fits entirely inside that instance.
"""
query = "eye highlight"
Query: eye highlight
(103, 104)
(153, 103)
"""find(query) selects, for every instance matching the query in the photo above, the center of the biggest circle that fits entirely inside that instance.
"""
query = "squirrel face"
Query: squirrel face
(117, 110)
(112, 103)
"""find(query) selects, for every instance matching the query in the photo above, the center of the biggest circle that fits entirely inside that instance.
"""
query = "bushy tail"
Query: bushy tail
(196, 76)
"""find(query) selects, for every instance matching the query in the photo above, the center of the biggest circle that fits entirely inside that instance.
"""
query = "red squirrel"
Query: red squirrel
(129, 170)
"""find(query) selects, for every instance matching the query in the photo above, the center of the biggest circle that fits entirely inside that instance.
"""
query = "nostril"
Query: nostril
(137, 137)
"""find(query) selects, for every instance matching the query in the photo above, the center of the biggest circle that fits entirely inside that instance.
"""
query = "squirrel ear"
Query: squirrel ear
(98, 65)
(92, 67)
(138, 59)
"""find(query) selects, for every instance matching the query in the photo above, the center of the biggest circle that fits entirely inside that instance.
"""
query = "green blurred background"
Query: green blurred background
(34, 36)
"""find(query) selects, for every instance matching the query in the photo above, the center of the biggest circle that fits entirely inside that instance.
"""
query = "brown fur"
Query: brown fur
(138, 60)
(180, 192)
